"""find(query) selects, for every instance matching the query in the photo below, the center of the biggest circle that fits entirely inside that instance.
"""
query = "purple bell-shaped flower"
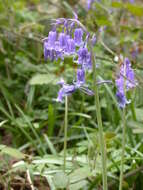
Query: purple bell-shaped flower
(84, 58)
(70, 46)
(122, 100)
(63, 41)
(52, 38)
(78, 34)
(80, 76)
(66, 90)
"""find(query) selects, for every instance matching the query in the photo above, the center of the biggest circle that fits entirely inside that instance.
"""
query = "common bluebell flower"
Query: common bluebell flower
(72, 26)
(125, 81)
(122, 100)
(52, 38)
(63, 41)
(78, 34)
(80, 76)
(70, 46)
(50, 52)
(65, 91)
(50, 45)
(46, 51)
(68, 89)
(84, 58)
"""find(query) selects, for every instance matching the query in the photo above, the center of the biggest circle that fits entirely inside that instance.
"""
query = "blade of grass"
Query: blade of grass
(32, 129)
(51, 120)
(29, 138)
(50, 145)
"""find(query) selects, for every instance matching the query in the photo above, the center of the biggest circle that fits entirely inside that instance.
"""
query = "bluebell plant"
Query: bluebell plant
(124, 82)
(75, 41)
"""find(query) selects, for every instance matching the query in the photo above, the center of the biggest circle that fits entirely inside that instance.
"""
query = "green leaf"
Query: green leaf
(51, 159)
(61, 180)
(50, 145)
(139, 114)
(117, 4)
(40, 79)
(81, 115)
(11, 152)
(103, 22)
(3, 122)
(134, 9)
(138, 130)
(51, 119)
(78, 185)
(79, 174)
(110, 135)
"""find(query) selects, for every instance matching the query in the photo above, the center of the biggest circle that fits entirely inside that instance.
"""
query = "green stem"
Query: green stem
(123, 149)
(123, 137)
(98, 111)
(99, 121)
(65, 131)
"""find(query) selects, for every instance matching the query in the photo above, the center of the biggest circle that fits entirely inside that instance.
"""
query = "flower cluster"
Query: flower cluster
(124, 82)
(72, 41)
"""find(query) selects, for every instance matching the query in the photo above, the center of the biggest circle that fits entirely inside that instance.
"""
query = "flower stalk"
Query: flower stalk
(123, 149)
(99, 121)
(65, 131)
(124, 134)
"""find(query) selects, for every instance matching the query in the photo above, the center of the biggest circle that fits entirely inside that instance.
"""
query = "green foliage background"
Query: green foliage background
(31, 121)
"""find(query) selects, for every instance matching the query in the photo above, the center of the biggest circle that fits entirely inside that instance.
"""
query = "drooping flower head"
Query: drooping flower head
(72, 41)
